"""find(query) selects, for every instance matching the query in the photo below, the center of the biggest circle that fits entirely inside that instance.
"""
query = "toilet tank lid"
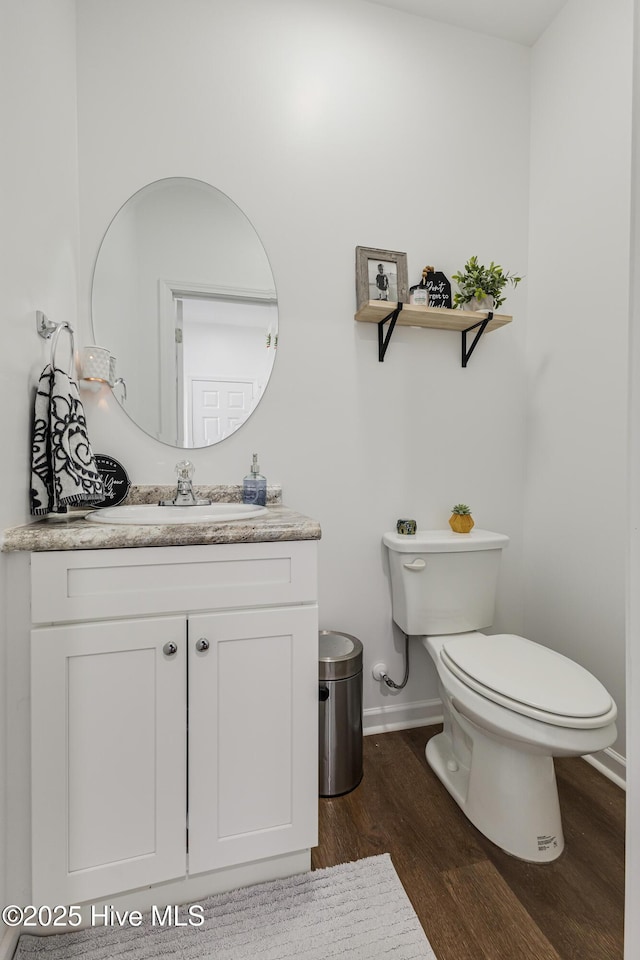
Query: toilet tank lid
(444, 541)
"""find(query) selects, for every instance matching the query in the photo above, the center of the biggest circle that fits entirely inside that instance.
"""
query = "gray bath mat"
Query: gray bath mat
(355, 911)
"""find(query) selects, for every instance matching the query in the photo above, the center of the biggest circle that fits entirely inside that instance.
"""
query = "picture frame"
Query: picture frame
(381, 275)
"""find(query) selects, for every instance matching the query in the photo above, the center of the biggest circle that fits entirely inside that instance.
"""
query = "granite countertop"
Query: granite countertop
(74, 532)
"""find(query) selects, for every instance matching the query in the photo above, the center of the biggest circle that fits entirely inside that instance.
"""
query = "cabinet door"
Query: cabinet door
(253, 735)
(108, 757)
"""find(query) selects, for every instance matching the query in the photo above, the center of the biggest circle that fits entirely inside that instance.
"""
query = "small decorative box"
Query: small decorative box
(407, 527)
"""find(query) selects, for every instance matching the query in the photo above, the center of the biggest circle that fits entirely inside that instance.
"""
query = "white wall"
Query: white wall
(332, 126)
(38, 254)
(632, 915)
(578, 281)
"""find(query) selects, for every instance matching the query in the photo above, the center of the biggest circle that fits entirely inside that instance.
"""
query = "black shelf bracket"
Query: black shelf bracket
(383, 339)
(480, 327)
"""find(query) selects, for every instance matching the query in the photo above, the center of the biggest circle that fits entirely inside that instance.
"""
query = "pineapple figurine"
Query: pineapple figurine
(461, 520)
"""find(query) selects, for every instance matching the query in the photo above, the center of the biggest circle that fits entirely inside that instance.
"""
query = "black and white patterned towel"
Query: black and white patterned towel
(63, 469)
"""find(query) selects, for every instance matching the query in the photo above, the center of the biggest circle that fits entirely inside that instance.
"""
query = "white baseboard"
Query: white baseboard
(8, 942)
(613, 765)
(401, 716)
(421, 713)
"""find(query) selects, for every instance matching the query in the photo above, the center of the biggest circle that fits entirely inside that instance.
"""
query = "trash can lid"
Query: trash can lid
(340, 655)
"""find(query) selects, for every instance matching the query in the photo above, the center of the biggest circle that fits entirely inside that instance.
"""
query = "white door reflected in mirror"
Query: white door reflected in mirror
(214, 334)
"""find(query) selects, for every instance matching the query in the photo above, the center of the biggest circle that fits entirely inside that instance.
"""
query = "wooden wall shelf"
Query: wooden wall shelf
(437, 318)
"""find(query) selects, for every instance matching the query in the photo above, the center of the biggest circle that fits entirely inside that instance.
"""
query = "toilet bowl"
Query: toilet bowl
(495, 753)
(509, 705)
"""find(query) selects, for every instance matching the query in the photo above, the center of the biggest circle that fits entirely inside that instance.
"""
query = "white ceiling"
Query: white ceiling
(520, 20)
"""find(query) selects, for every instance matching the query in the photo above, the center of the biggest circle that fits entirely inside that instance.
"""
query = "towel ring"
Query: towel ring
(49, 330)
(54, 344)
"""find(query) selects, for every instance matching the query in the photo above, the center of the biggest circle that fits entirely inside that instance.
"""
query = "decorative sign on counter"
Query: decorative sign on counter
(116, 481)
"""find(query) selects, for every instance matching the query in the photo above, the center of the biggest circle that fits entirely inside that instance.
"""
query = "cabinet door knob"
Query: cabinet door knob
(202, 644)
(170, 649)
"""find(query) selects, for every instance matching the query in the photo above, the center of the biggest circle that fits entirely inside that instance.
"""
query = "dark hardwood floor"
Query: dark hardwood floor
(474, 901)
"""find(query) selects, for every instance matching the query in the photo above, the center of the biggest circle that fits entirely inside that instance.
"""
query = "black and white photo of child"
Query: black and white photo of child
(383, 280)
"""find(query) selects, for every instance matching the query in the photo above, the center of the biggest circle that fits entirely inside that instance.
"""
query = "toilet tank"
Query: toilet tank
(444, 582)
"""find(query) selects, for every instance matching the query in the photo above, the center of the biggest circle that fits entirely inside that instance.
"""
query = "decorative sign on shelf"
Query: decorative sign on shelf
(434, 290)
(439, 289)
(116, 481)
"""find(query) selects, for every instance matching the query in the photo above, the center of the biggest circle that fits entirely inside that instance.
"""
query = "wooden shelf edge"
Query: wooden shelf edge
(437, 318)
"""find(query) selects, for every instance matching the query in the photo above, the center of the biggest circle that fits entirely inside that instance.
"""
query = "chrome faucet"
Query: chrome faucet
(185, 496)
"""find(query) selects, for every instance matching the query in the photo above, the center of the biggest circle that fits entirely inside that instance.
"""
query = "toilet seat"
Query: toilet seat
(529, 679)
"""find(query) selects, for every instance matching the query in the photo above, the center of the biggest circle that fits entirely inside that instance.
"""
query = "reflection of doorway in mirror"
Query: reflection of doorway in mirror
(222, 363)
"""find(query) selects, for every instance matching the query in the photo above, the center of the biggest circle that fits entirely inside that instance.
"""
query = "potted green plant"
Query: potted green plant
(480, 287)
(461, 520)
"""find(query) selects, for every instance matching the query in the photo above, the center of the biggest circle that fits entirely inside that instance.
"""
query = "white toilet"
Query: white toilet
(510, 705)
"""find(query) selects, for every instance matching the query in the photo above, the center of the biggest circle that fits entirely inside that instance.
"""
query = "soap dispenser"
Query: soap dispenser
(254, 485)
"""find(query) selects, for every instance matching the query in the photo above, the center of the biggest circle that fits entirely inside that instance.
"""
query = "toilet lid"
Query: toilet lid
(529, 679)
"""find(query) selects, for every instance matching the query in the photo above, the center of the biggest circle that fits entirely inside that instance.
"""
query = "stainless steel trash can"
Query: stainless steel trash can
(340, 703)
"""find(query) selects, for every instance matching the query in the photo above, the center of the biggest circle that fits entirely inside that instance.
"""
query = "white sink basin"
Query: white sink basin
(136, 513)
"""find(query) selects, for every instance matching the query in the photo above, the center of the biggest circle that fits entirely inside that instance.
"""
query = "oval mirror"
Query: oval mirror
(184, 298)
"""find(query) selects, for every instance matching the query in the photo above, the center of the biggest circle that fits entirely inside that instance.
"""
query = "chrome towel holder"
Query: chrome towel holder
(49, 330)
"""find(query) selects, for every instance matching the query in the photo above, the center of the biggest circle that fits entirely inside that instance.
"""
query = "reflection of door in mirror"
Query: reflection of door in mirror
(218, 407)
(181, 259)
(221, 361)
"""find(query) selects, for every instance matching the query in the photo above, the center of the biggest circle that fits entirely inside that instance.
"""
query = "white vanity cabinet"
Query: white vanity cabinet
(108, 757)
(174, 713)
